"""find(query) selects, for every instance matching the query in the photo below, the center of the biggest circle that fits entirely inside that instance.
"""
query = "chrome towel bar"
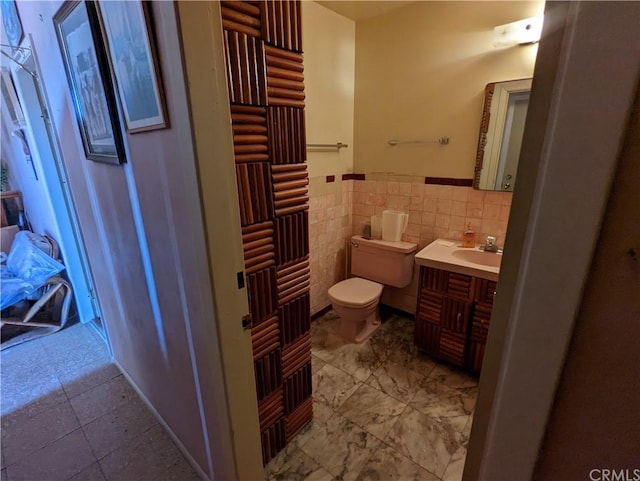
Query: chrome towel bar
(441, 141)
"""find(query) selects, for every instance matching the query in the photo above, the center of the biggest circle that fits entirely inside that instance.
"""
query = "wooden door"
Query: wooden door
(263, 49)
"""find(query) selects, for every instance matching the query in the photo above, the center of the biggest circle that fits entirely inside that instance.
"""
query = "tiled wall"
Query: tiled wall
(340, 209)
(329, 233)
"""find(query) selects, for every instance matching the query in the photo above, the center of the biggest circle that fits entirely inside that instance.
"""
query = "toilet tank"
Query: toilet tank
(386, 262)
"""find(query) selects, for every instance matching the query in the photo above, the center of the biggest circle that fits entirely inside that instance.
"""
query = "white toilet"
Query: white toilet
(376, 263)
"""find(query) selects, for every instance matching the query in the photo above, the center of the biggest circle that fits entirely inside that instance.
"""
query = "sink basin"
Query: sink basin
(490, 259)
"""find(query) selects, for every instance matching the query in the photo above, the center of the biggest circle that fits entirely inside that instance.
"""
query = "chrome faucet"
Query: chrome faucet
(490, 245)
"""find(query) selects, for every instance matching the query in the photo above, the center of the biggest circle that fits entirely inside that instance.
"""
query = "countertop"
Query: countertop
(440, 255)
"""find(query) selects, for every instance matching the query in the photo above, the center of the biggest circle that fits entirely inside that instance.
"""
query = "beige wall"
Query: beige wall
(420, 74)
(329, 64)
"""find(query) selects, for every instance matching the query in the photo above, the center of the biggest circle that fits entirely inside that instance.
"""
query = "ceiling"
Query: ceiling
(362, 9)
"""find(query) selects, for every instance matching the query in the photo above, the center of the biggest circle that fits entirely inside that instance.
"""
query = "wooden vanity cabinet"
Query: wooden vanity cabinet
(484, 293)
(453, 315)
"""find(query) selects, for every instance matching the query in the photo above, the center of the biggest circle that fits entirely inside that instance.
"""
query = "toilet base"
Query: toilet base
(360, 330)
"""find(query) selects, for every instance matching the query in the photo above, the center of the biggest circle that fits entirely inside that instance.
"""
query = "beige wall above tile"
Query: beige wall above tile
(421, 71)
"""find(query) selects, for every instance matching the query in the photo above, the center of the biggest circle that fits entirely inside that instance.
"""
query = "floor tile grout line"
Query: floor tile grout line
(386, 357)
(30, 453)
(127, 443)
(95, 458)
(79, 428)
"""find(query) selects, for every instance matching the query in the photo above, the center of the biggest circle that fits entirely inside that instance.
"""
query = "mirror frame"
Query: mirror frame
(490, 122)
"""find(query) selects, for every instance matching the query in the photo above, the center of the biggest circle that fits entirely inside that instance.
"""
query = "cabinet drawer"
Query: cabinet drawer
(460, 285)
(449, 283)
(434, 279)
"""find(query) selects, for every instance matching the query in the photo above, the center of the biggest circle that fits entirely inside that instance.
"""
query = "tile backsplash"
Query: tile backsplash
(329, 234)
(342, 208)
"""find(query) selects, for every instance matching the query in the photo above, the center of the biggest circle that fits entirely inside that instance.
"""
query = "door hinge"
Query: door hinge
(247, 320)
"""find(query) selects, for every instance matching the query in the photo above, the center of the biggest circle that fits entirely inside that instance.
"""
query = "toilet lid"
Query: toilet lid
(355, 292)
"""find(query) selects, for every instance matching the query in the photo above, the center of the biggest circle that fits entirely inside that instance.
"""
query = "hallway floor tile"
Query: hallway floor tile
(69, 414)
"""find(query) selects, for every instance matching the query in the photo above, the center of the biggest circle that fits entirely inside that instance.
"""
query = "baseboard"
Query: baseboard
(321, 312)
(385, 307)
(166, 427)
(399, 312)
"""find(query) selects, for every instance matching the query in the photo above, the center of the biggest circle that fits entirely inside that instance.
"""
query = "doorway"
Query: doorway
(41, 177)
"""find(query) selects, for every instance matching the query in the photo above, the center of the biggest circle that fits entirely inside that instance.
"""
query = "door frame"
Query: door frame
(55, 177)
(235, 441)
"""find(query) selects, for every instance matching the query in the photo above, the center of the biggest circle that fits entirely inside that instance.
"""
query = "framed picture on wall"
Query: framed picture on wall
(11, 22)
(128, 32)
(86, 64)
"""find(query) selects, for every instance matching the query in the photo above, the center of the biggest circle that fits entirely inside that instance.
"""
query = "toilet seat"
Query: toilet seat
(355, 292)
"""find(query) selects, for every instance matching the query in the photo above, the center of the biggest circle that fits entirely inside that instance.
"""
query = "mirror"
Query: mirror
(501, 130)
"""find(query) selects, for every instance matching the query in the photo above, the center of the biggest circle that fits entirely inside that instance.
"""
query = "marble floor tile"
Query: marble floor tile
(316, 364)
(398, 329)
(459, 423)
(332, 387)
(372, 410)
(454, 378)
(341, 447)
(396, 381)
(438, 400)
(292, 464)
(24, 436)
(58, 461)
(321, 411)
(454, 469)
(426, 440)
(359, 360)
(388, 337)
(409, 356)
(325, 340)
(386, 464)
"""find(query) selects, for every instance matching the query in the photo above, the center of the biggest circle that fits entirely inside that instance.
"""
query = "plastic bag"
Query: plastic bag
(28, 268)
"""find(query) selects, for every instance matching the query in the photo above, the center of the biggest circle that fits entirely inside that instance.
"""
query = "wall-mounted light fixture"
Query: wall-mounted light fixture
(522, 32)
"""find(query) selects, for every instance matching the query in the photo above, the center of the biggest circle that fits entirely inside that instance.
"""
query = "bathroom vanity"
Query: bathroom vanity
(455, 298)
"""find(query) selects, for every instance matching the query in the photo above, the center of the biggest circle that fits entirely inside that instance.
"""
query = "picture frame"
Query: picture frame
(128, 33)
(10, 98)
(11, 22)
(77, 27)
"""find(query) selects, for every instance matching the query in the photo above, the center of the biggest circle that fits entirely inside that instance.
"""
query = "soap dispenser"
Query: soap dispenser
(469, 237)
